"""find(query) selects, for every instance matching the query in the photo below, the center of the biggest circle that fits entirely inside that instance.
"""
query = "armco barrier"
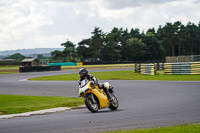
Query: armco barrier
(184, 68)
(195, 68)
(148, 69)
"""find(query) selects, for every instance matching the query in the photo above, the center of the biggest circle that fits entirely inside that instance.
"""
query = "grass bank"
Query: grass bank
(123, 75)
(7, 72)
(192, 128)
(11, 104)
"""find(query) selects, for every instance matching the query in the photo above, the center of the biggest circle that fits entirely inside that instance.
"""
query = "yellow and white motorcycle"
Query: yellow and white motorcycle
(96, 98)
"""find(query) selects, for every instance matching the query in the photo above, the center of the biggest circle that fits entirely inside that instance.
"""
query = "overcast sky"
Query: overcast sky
(48, 23)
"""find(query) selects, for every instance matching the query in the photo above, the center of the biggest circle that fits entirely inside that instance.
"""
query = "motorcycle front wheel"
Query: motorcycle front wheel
(114, 104)
(91, 104)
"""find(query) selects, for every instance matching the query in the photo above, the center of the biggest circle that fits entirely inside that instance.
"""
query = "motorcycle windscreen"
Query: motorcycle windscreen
(84, 82)
(106, 84)
(83, 89)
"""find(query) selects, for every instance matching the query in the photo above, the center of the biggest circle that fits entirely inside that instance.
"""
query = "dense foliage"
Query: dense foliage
(17, 57)
(172, 39)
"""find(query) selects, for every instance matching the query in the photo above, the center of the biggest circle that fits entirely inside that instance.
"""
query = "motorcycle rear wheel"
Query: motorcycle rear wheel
(114, 104)
(90, 104)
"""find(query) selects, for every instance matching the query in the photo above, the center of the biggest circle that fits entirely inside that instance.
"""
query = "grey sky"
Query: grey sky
(48, 23)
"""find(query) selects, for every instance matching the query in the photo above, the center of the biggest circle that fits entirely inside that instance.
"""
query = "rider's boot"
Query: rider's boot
(106, 91)
(108, 95)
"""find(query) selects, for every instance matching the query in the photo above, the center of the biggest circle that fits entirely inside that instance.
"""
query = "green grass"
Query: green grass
(192, 128)
(15, 68)
(9, 67)
(8, 72)
(160, 72)
(88, 66)
(107, 65)
(110, 66)
(123, 75)
(11, 104)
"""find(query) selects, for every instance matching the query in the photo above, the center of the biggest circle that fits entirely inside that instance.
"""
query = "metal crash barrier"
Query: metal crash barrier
(148, 69)
(184, 68)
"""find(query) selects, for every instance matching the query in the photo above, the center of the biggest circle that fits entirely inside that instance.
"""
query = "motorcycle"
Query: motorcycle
(96, 98)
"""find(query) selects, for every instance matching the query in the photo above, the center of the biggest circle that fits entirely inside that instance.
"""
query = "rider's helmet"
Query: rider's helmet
(83, 72)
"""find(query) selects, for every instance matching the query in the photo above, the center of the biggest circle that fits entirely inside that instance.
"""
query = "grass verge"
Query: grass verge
(9, 69)
(99, 66)
(7, 72)
(12, 67)
(123, 75)
(192, 128)
(15, 69)
(12, 104)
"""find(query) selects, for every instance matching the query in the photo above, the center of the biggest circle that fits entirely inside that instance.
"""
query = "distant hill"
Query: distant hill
(29, 52)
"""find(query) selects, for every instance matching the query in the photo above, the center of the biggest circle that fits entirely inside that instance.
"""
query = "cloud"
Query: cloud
(120, 4)
(40, 24)
(48, 23)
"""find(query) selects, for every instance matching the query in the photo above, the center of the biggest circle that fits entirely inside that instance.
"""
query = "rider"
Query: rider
(84, 75)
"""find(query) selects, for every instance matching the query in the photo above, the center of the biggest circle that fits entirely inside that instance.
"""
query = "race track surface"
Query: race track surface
(143, 104)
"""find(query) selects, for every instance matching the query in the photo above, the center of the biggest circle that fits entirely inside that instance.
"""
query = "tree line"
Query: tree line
(172, 39)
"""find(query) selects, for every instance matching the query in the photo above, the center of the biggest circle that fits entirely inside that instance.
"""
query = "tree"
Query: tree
(112, 49)
(17, 56)
(125, 35)
(41, 56)
(172, 39)
(136, 49)
(57, 54)
(154, 49)
(96, 42)
(169, 37)
(135, 33)
(182, 37)
(69, 51)
(193, 41)
(83, 49)
(68, 44)
(152, 30)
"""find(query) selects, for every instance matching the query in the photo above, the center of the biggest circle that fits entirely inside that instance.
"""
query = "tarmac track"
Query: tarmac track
(143, 104)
